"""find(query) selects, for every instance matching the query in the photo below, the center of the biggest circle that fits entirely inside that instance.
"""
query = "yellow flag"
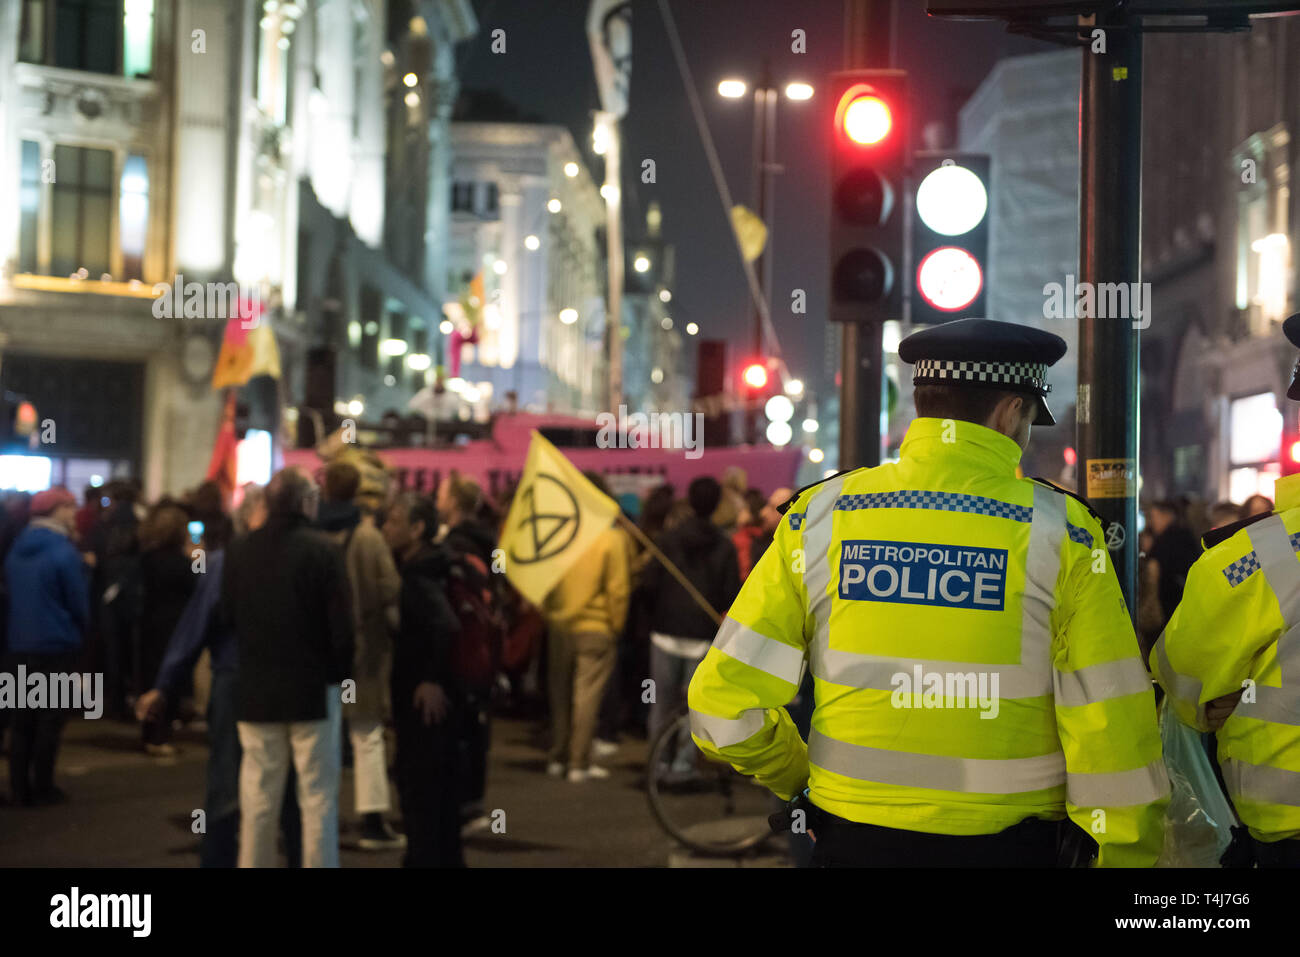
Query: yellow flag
(555, 517)
(750, 231)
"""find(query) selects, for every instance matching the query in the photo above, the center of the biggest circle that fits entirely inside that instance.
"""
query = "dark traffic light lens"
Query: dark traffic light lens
(863, 275)
(864, 198)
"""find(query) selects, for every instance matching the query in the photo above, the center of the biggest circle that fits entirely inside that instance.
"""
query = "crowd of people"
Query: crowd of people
(309, 609)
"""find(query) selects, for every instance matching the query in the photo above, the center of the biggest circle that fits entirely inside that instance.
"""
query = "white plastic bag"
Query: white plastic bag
(1198, 822)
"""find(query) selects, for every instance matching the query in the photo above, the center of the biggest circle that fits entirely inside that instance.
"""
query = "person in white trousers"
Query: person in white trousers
(314, 747)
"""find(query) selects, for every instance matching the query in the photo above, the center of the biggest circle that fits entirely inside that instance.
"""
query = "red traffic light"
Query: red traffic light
(867, 120)
(755, 376)
(864, 116)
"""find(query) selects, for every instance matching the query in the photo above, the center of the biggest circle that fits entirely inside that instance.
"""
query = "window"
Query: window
(493, 197)
(1255, 443)
(275, 27)
(133, 216)
(137, 38)
(462, 197)
(1263, 248)
(81, 211)
(29, 204)
(85, 34)
(31, 42)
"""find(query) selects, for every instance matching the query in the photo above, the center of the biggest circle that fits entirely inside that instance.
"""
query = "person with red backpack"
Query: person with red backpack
(427, 694)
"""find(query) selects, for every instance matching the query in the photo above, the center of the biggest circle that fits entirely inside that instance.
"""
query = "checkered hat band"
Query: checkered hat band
(1031, 374)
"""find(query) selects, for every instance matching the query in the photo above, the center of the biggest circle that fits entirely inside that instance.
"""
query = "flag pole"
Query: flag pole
(672, 569)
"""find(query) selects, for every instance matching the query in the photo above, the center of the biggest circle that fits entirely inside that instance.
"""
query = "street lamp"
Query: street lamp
(764, 164)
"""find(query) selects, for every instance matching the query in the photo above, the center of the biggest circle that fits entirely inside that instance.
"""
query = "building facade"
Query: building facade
(527, 223)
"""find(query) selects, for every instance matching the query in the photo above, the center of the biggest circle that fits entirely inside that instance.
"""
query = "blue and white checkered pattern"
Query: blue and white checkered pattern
(937, 501)
(796, 520)
(1248, 564)
(1241, 569)
(1077, 534)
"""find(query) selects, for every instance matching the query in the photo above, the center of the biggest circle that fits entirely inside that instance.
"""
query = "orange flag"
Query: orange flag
(247, 349)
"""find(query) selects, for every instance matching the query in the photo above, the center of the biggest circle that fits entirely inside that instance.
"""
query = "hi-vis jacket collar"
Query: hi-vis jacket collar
(1286, 493)
(936, 438)
(927, 438)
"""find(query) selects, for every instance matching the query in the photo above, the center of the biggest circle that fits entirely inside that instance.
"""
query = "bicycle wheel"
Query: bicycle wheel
(704, 805)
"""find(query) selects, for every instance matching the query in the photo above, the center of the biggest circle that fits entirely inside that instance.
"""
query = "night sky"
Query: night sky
(547, 72)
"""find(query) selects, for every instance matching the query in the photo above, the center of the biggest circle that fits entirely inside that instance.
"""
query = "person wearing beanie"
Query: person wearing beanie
(49, 610)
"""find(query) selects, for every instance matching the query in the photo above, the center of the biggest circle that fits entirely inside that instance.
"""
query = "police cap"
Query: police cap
(1291, 329)
(986, 354)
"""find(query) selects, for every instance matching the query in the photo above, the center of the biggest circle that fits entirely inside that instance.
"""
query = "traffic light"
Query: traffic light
(869, 155)
(950, 236)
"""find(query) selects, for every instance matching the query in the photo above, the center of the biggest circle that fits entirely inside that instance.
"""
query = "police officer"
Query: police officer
(976, 673)
(1229, 659)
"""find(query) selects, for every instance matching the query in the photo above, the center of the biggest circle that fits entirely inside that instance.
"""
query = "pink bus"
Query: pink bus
(496, 460)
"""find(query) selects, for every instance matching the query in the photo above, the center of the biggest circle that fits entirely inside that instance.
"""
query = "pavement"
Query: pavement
(128, 809)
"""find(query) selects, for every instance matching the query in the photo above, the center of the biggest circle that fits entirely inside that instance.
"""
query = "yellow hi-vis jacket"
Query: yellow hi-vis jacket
(1238, 627)
(973, 661)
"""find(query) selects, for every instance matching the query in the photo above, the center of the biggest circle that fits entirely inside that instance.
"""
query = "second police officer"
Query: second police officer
(976, 674)
(1229, 659)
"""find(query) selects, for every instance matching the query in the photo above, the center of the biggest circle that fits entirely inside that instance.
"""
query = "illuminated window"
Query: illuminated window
(137, 38)
(29, 204)
(133, 216)
(31, 42)
(81, 211)
(1263, 273)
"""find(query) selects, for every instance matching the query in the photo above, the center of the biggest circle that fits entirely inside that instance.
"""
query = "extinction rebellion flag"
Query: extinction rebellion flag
(555, 517)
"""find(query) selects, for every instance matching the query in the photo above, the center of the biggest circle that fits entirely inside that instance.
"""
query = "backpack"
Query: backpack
(476, 655)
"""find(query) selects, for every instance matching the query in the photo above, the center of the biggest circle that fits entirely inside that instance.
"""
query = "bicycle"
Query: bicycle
(705, 805)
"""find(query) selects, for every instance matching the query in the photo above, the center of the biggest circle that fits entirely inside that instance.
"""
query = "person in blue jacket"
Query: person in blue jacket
(49, 610)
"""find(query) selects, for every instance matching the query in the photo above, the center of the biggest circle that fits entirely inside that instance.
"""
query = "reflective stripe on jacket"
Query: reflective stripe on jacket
(1238, 626)
(973, 660)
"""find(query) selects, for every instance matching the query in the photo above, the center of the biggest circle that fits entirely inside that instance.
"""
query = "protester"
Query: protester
(285, 592)
(585, 613)
(49, 613)
(681, 630)
(116, 595)
(471, 536)
(196, 630)
(749, 529)
(375, 587)
(428, 704)
(768, 518)
(1173, 549)
(167, 579)
(88, 515)
(1224, 513)
(1256, 505)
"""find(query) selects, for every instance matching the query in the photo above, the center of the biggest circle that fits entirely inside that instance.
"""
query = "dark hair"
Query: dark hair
(704, 494)
(288, 491)
(164, 527)
(655, 508)
(967, 403)
(342, 479)
(420, 508)
(755, 502)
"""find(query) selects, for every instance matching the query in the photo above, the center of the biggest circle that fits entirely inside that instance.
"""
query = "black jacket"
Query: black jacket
(285, 593)
(429, 627)
(708, 560)
(472, 538)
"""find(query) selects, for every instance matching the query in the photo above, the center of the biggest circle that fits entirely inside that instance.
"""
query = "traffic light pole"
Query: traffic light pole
(867, 25)
(1110, 231)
